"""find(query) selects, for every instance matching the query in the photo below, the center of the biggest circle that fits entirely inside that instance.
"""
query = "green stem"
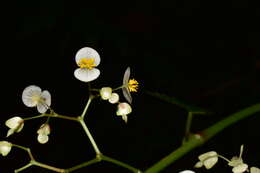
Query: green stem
(62, 117)
(187, 127)
(23, 168)
(35, 117)
(25, 149)
(119, 163)
(83, 124)
(197, 140)
(42, 165)
(90, 162)
(87, 105)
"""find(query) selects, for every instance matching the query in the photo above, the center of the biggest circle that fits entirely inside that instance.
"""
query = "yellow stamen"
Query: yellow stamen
(87, 63)
(133, 85)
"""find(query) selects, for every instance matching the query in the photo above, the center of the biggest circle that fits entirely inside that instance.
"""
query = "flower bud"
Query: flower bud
(105, 93)
(15, 124)
(114, 98)
(5, 147)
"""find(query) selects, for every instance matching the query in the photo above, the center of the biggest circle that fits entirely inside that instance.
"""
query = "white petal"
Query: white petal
(126, 76)
(14, 122)
(206, 155)
(86, 75)
(47, 97)
(199, 164)
(10, 132)
(127, 94)
(240, 168)
(5, 147)
(210, 162)
(125, 88)
(114, 98)
(42, 138)
(187, 171)
(254, 170)
(42, 108)
(88, 52)
(44, 129)
(28, 93)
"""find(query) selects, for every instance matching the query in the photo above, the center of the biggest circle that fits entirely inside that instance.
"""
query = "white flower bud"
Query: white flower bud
(105, 93)
(43, 133)
(114, 98)
(187, 171)
(15, 124)
(5, 147)
(123, 109)
(208, 159)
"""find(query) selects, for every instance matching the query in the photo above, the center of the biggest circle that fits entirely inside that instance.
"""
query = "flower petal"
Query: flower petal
(42, 138)
(86, 75)
(42, 107)
(254, 170)
(187, 171)
(47, 97)
(14, 122)
(28, 94)
(125, 88)
(240, 168)
(88, 52)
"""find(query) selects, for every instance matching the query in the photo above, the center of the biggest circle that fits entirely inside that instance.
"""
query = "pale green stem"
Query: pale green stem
(119, 163)
(222, 157)
(83, 124)
(28, 150)
(87, 105)
(35, 117)
(187, 127)
(23, 168)
(122, 86)
(62, 117)
(42, 165)
(200, 138)
(90, 162)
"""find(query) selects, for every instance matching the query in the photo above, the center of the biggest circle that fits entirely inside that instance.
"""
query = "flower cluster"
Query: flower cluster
(209, 159)
(129, 85)
(32, 96)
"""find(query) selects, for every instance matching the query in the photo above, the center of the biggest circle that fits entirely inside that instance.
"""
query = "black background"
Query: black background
(203, 52)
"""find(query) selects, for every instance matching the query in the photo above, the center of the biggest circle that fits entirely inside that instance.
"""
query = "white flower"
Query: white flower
(87, 59)
(43, 133)
(254, 170)
(208, 159)
(15, 124)
(123, 109)
(114, 98)
(33, 96)
(129, 86)
(5, 147)
(237, 163)
(105, 93)
(187, 171)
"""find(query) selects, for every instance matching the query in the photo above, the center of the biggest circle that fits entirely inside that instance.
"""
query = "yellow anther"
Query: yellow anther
(133, 85)
(87, 63)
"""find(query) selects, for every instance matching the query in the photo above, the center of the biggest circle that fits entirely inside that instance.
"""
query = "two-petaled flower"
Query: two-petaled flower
(87, 59)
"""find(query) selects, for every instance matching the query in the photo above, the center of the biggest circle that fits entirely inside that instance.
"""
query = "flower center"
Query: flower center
(133, 85)
(36, 98)
(87, 63)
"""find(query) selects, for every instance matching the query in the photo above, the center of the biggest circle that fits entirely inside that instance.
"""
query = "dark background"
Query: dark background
(203, 52)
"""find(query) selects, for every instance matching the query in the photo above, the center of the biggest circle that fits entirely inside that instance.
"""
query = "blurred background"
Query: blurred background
(205, 53)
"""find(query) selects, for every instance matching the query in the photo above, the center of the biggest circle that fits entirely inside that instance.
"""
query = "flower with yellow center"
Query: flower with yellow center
(33, 96)
(87, 59)
(129, 85)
